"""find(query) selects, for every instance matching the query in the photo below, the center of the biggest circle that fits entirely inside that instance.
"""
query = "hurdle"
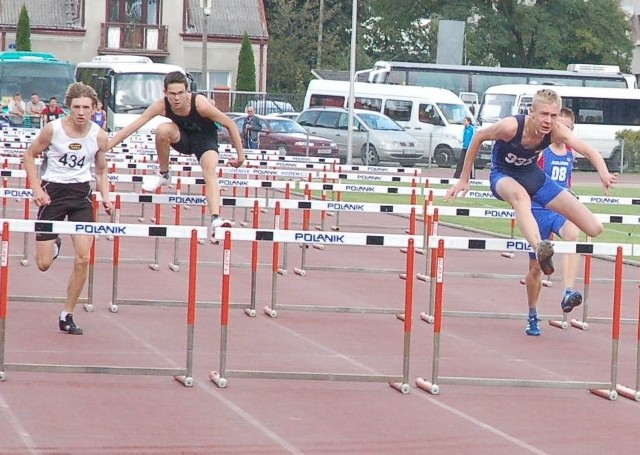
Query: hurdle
(220, 378)
(606, 389)
(182, 375)
(625, 391)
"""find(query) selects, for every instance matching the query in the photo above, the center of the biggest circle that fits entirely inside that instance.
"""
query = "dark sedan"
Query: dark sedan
(288, 137)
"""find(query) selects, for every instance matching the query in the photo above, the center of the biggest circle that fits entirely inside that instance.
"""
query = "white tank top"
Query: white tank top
(69, 160)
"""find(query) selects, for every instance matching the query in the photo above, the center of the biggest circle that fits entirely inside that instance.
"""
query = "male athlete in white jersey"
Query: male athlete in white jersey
(69, 146)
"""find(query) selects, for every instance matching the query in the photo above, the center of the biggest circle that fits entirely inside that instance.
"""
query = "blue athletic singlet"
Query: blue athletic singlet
(558, 168)
(511, 159)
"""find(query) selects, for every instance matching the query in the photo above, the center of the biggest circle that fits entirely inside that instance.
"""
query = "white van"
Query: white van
(599, 114)
(433, 116)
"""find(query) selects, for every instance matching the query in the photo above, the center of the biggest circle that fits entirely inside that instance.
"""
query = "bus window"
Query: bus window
(370, 104)
(326, 100)
(398, 110)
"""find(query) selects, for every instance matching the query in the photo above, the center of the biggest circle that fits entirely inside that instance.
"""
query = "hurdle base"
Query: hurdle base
(174, 267)
(217, 379)
(433, 389)
(628, 392)
(283, 272)
(299, 271)
(564, 325)
(251, 312)
(610, 395)
(186, 381)
(400, 316)
(335, 228)
(420, 251)
(545, 283)
(423, 277)
(403, 276)
(154, 267)
(579, 324)
(401, 387)
(272, 313)
(318, 247)
(429, 319)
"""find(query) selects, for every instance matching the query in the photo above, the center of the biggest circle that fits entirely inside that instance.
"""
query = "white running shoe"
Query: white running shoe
(218, 223)
(151, 184)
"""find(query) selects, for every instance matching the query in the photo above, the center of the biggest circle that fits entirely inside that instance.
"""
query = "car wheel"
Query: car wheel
(282, 149)
(369, 155)
(443, 156)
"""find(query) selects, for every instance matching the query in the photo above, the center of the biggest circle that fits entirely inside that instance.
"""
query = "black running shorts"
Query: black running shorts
(196, 143)
(68, 200)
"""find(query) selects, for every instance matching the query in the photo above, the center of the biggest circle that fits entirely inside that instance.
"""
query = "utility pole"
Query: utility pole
(320, 30)
(206, 11)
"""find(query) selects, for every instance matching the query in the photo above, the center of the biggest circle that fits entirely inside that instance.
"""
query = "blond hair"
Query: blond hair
(80, 90)
(546, 96)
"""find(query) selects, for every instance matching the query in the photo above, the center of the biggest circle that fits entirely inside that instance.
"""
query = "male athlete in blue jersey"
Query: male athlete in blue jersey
(557, 162)
(516, 178)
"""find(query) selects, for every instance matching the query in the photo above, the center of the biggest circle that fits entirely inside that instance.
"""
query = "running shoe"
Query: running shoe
(69, 326)
(532, 328)
(544, 255)
(151, 184)
(570, 301)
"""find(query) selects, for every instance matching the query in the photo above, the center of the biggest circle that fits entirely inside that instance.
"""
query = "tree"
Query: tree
(541, 34)
(246, 80)
(23, 31)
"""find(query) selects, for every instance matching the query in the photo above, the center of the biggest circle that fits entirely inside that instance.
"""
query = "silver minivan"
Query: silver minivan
(376, 137)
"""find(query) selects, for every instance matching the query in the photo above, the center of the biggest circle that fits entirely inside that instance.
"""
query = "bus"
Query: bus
(433, 116)
(33, 72)
(599, 114)
(470, 82)
(127, 85)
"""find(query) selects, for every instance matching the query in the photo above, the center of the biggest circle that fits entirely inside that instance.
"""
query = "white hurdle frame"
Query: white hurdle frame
(605, 389)
(398, 382)
(182, 375)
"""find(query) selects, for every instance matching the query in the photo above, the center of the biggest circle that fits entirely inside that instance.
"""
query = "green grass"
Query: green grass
(613, 233)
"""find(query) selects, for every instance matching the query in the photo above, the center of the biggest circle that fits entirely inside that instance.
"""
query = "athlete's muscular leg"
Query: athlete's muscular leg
(570, 233)
(82, 248)
(533, 283)
(209, 162)
(166, 134)
(44, 254)
(515, 194)
(575, 211)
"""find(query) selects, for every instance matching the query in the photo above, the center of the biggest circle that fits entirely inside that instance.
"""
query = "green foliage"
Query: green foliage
(23, 31)
(631, 140)
(246, 67)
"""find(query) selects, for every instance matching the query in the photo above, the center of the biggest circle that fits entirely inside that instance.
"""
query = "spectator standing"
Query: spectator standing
(51, 112)
(17, 110)
(34, 109)
(467, 134)
(250, 129)
(100, 116)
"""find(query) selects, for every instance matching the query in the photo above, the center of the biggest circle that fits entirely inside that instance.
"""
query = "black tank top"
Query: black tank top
(511, 156)
(192, 122)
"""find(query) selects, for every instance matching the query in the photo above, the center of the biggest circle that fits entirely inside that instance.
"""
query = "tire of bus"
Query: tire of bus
(443, 156)
(613, 163)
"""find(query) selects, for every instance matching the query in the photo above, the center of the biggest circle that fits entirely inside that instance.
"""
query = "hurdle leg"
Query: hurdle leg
(628, 392)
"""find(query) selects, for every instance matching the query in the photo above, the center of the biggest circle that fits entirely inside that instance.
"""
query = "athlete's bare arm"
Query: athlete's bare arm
(157, 108)
(102, 181)
(205, 109)
(39, 145)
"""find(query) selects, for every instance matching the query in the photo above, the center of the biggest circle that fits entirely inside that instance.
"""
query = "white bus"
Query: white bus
(127, 85)
(599, 112)
(433, 116)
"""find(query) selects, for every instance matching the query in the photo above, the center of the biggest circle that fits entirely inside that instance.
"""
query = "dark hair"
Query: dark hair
(568, 113)
(176, 77)
(53, 98)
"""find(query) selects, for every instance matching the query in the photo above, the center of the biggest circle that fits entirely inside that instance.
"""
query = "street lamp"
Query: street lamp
(206, 11)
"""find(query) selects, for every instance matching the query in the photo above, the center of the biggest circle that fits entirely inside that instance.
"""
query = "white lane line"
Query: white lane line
(17, 427)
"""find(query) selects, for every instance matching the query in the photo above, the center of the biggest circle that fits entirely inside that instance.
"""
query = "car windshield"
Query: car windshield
(379, 122)
(454, 113)
(285, 126)
(495, 107)
(135, 92)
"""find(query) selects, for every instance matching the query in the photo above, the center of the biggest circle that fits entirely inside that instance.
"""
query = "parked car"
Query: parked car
(264, 107)
(287, 137)
(375, 136)
(290, 115)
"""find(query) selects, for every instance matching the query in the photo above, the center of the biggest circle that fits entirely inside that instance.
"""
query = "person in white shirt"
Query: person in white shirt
(70, 145)
(17, 110)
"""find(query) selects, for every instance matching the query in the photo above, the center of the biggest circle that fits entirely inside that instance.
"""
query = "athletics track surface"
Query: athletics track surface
(56, 413)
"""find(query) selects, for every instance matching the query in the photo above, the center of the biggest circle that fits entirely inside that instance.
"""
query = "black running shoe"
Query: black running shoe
(544, 255)
(570, 301)
(69, 326)
(56, 252)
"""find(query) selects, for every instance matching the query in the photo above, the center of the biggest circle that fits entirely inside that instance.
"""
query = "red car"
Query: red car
(286, 136)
